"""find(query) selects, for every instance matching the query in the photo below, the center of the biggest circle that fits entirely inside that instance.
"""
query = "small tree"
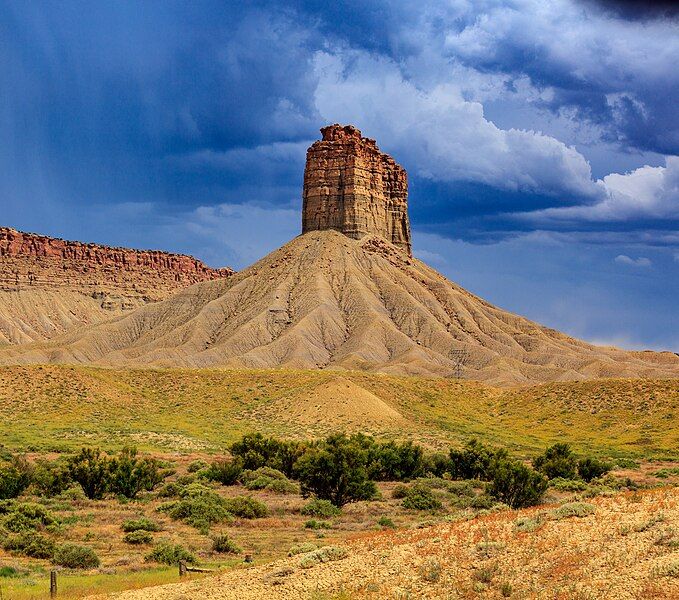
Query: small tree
(15, 477)
(474, 460)
(130, 475)
(591, 468)
(557, 461)
(336, 470)
(92, 471)
(515, 484)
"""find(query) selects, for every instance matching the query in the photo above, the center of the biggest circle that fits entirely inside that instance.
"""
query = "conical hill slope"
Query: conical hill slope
(327, 301)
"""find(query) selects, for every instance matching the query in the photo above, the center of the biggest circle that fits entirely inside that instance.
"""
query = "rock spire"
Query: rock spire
(352, 187)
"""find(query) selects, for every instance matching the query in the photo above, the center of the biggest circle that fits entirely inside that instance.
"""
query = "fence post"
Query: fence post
(182, 568)
(53, 584)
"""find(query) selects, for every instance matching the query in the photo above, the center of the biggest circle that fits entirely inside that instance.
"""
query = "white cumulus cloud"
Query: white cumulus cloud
(642, 261)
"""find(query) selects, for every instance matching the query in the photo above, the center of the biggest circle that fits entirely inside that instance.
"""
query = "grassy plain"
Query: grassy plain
(60, 408)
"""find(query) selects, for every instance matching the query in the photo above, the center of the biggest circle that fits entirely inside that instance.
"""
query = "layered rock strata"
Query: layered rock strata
(352, 187)
(29, 261)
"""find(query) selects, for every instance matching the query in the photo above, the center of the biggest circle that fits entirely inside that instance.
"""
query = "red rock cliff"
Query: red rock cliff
(29, 260)
(350, 186)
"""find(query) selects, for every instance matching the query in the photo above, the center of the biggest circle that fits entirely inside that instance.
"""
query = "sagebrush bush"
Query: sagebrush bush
(400, 491)
(32, 544)
(386, 523)
(322, 555)
(266, 478)
(74, 556)
(26, 516)
(430, 570)
(421, 497)
(529, 524)
(246, 507)
(223, 544)
(169, 554)
(51, 478)
(196, 466)
(320, 508)
(572, 509)
(199, 507)
(140, 524)
(138, 536)
(302, 548)
(314, 524)
(223, 471)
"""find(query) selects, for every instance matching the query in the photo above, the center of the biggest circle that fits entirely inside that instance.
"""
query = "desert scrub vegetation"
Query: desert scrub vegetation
(322, 555)
(302, 548)
(572, 509)
(420, 497)
(320, 508)
(266, 478)
(170, 554)
(140, 524)
(223, 544)
(138, 537)
(74, 556)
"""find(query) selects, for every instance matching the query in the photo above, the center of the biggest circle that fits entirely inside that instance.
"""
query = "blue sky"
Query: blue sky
(541, 137)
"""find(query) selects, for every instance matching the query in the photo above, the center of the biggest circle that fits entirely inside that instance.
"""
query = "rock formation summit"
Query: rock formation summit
(346, 294)
(49, 285)
(352, 187)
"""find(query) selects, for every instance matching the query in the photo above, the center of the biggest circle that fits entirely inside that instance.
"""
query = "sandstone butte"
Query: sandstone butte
(346, 294)
(352, 187)
(49, 285)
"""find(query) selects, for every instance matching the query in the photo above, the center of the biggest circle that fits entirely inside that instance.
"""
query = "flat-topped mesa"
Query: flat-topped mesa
(350, 186)
(34, 261)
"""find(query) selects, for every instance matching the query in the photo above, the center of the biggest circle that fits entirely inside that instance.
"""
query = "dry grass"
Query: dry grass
(189, 410)
(569, 558)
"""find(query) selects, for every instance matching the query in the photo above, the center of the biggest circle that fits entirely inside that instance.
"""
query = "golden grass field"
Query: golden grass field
(187, 410)
(181, 415)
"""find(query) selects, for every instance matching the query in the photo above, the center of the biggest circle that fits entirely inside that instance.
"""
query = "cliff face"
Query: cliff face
(352, 187)
(29, 261)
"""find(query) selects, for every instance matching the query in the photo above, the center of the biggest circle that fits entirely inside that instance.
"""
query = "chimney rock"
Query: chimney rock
(350, 186)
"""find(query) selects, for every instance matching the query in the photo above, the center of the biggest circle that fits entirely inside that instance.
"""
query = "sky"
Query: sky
(541, 137)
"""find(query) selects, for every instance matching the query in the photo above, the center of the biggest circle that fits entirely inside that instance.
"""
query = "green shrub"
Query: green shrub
(26, 516)
(51, 478)
(529, 524)
(225, 545)
(591, 468)
(10, 572)
(568, 485)
(196, 466)
(572, 509)
(474, 460)
(430, 570)
(90, 468)
(199, 507)
(336, 470)
(129, 475)
(223, 471)
(140, 524)
(400, 491)
(266, 478)
(557, 461)
(420, 497)
(386, 523)
(138, 537)
(246, 507)
(515, 484)
(15, 477)
(73, 556)
(169, 554)
(314, 524)
(73, 493)
(302, 548)
(393, 461)
(320, 508)
(322, 555)
(255, 451)
(32, 544)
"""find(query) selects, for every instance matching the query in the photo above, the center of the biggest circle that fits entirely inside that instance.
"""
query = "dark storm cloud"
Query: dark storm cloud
(633, 9)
